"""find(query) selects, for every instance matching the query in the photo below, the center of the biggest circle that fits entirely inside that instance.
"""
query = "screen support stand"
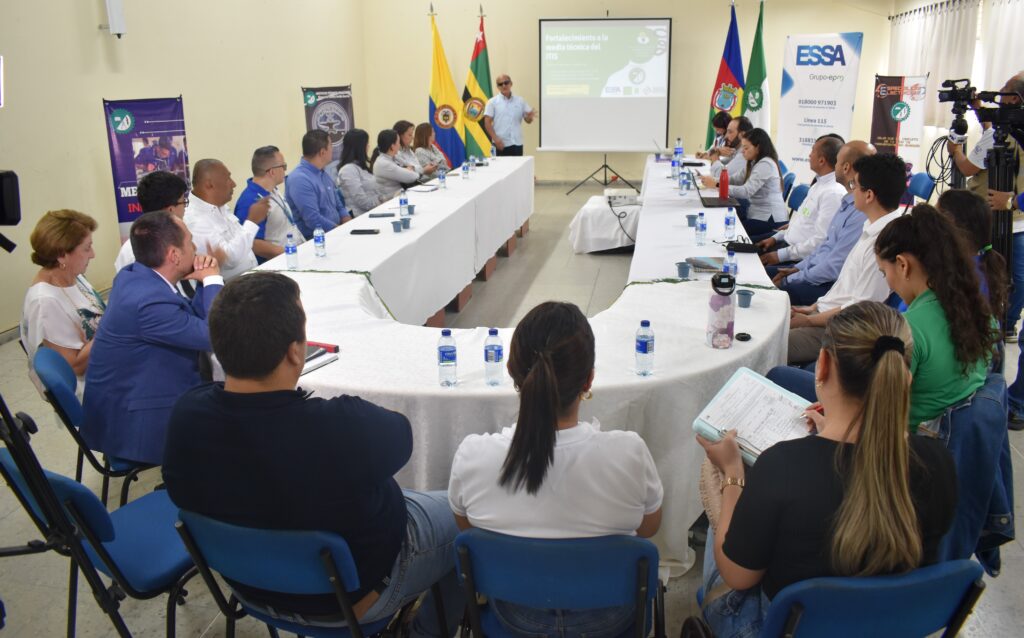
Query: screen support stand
(603, 167)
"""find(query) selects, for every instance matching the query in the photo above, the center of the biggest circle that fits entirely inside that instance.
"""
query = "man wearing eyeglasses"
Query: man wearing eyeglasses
(268, 172)
(503, 116)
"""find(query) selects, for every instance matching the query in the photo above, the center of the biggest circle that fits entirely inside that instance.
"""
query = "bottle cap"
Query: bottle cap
(446, 332)
(645, 324)
(493, 332)
(723, 283)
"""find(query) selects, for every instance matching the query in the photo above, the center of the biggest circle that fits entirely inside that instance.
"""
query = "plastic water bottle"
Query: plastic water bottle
(442, 179)
(730, 224)
(291, 252)
(446, 359)
(472, 163)
(644, 349)
(494, 357)
(403, 204)
(320, 242)
(494, 152)
(702, 229)
(465, 170)
(730, 264)
(684, 182)
(675, 167)
(679, 148)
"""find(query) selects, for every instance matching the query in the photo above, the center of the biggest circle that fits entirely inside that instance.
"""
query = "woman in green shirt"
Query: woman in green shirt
(926, 261)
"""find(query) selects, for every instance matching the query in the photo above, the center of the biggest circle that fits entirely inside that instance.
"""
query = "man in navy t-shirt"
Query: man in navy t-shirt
(256, 452)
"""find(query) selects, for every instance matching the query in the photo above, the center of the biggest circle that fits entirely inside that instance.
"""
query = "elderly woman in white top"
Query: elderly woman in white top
(761, 184)
(391, 175)
(427, 153)
(62, 310)
(358, 185)
(406, 154)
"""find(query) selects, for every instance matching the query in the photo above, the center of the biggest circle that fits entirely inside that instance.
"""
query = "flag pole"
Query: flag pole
(432, 12)
(482, 14)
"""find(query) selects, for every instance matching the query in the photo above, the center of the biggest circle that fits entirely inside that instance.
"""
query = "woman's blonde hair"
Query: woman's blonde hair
(876, 530)
(57, 233)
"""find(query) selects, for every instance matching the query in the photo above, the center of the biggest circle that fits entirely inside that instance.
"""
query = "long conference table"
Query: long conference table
(371, 293)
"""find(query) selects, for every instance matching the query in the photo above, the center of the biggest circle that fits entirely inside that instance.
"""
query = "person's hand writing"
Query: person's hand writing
(259, 210)
(203, 266)
(815, 418)
(724, 454)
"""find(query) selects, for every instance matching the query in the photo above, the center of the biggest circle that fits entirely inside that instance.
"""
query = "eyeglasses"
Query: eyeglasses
(182, 202)
(284, 166)
(505, 83)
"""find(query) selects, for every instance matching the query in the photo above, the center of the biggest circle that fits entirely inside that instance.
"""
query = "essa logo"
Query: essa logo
(815, 55)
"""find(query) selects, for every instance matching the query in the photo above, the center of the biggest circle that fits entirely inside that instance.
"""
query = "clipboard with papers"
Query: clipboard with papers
(761, 412)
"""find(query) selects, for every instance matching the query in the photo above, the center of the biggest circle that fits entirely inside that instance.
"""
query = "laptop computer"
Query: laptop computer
(713, 202)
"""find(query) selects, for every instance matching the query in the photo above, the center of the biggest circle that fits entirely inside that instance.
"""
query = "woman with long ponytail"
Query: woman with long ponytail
(552, 475)
(860, 498)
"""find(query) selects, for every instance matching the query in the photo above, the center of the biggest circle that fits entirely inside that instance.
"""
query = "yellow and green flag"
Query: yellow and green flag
(475, 96)
(445, 107)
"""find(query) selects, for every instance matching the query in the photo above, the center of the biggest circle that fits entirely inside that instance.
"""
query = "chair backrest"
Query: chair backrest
(797, 196)
(287, 561)
(918, 603)
(577, 573)
(921, 186)
(60, 382)
(782, 167)
(788, 179)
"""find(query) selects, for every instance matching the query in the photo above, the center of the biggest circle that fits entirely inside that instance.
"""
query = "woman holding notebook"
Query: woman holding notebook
(860, 498)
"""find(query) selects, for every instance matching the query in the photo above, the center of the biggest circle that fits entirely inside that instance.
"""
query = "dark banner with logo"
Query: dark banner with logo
(144, 136)
(330, 109)
(897, 115)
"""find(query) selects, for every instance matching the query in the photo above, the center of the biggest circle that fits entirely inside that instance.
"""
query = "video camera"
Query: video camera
(1006, 118)
(961, 94)
(10, 205)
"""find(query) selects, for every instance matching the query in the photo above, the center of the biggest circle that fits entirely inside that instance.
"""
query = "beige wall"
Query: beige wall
(239, 65)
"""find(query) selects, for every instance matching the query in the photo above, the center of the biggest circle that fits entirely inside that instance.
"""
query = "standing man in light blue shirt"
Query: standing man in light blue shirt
(310, 192)
(502, 118)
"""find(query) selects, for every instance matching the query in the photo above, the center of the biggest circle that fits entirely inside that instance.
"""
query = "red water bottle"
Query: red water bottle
(723, 184)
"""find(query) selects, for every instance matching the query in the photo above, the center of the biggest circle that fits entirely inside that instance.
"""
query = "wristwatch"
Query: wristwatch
(733, 481)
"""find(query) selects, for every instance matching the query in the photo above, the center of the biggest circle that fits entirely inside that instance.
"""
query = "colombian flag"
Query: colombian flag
(445, 105)
(728, 92)
(475, 96)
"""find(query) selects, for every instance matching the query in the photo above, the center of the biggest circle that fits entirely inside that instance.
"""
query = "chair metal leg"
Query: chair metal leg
(105, 489)
(127, 484)
(79, 465)
(659, 612)
(229, 626)
(72, 598)
(442, 619)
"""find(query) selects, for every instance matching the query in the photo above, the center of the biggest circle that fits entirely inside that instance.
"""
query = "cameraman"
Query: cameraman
(972, 165)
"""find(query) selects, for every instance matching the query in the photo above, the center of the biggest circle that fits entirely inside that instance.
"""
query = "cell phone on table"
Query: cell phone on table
(376, 215)
(365, 231)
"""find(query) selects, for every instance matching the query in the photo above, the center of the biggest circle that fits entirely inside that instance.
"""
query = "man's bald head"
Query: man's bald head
(212, 183)
(848, 154)
(1014, 85)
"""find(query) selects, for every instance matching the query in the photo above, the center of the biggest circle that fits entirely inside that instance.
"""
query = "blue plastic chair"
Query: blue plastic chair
(917, 603)
(577, 573)
(60, 383)
(921, 186)
(788, 179)
(284, 561)
(797, 197)
(135, 546)
(782, 167)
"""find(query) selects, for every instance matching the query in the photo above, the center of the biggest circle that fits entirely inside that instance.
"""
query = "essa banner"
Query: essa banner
(819, 85)
(897, 117)
(144, 136)
(329, 109)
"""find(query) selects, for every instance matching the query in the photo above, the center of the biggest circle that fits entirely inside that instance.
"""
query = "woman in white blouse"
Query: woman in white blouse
(406, 154)
(62, 310)
(551, 475)
(391, 175)
(358, 185)
(427, 152)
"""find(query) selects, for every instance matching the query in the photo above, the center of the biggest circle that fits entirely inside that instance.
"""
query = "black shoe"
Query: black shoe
(1015, 422)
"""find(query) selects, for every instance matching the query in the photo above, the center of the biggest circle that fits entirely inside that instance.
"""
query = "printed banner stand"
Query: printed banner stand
(144, 136)
(819, 87)
(897, 117)
(330, 109)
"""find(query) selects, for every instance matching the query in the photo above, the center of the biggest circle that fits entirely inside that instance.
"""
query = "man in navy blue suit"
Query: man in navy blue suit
(146, 350)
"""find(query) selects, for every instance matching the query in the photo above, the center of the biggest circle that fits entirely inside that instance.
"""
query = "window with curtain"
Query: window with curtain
(939, 40)
(1001, 32)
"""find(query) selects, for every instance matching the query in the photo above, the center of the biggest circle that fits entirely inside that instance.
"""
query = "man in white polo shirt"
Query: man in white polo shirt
(808, 226)
(877, 186)
(503, 116)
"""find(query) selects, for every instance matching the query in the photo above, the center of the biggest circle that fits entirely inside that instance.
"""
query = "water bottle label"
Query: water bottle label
(446, 354)
(645, 346)
(291, 250)
(494, 354)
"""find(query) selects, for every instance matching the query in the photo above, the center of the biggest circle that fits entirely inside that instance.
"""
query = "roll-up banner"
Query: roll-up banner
(819, 86)
(897, 118)
(329, 109)
(144, 136)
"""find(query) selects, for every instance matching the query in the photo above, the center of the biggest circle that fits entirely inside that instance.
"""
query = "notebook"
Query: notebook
(318, 361)
(761, 412)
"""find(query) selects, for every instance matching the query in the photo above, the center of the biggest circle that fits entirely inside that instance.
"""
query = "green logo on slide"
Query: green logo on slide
(122, 121)
(309, 97)
(900, 111)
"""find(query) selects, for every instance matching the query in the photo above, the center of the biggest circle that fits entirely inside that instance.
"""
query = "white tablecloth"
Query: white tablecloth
(454, 232)
(394, 364)
(597, 227)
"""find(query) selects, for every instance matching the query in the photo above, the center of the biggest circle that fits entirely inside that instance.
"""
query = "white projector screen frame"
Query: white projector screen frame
(610, 121)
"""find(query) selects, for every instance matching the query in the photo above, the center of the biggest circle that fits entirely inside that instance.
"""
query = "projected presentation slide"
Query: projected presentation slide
(604, 83)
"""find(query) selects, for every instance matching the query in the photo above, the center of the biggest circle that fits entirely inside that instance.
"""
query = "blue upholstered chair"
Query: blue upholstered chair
(578, 573)
(135, 546)
(921, 186)
(797, 197)
(60, 384)
(918, 603)
(788, 179)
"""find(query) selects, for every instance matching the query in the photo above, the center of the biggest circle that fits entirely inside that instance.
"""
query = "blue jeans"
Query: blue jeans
(760, 227)
(734, 614)
(804, 294)
(427, 557)
(796, 380)
(1015, 393)
(1017, 271)
(606, 622)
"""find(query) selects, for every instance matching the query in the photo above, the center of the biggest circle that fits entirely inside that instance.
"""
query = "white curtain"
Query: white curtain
(1001, 42)
(938, 40)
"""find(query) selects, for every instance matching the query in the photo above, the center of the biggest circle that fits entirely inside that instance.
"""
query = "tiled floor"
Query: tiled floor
(34, 588)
